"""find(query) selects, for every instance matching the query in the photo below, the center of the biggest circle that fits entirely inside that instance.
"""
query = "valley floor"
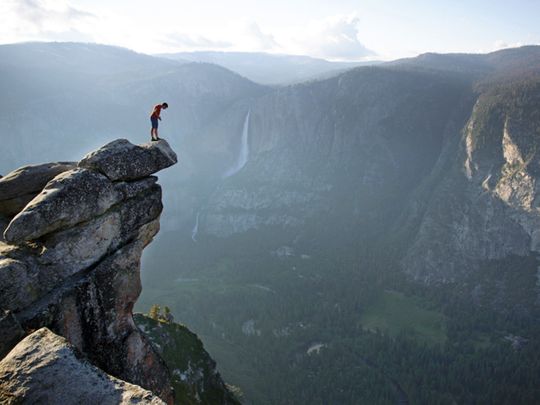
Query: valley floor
(318, 327)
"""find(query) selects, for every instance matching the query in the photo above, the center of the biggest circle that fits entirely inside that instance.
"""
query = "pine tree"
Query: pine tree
(167, 316)
(154, 312)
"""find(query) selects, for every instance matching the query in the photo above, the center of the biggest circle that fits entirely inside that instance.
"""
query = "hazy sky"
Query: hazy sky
(332, 29)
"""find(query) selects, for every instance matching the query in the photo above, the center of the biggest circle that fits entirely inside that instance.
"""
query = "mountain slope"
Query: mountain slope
(354, 148)
(345, 148)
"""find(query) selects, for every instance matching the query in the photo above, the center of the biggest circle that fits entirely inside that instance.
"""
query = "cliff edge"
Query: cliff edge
(72, 238)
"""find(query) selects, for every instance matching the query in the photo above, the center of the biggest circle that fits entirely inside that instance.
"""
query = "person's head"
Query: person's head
(165, 105)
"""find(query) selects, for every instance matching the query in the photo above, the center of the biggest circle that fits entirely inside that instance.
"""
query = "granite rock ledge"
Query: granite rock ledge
(70, 270)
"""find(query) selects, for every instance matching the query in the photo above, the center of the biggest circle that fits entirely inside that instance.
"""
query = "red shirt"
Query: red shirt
(156, 111)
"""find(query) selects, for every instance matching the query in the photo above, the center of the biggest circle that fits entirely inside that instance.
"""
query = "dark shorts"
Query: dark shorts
(154, 122)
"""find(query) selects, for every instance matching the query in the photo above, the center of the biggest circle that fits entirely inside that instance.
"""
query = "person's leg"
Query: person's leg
(153, 133)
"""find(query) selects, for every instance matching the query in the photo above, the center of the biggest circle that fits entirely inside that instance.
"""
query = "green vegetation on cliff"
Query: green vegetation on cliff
(194, 375)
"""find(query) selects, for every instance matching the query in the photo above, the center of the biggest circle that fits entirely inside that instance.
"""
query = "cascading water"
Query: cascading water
(244, 150)
(195, 229)
(239, 164)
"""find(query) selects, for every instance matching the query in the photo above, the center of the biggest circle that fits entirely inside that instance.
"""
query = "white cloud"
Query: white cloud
(500, 44)
(47, 13)
(334, 38)
(258, 40)
(240, 36)
(43, 20)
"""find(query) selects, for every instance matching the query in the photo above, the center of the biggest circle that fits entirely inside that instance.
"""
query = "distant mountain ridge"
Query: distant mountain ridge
(486, 69)
(269, 69)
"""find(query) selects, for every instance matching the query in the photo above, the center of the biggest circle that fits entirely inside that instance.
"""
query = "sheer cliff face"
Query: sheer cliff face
(70, 258)
(486, 207)
(337, 148)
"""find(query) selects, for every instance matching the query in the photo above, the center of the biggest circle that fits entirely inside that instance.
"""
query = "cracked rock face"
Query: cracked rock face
(43, 367)
(70, 261)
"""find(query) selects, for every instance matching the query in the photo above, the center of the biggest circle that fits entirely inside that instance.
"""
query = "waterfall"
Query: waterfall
(195, 229)
(244, 150)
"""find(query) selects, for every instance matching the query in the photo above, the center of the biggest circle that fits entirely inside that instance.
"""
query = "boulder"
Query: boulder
(45, 369)
(19, 187)
(70, 198)
(31, 179)
(121, 160)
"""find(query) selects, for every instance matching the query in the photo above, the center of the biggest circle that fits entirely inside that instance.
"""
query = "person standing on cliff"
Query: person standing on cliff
(154, 118)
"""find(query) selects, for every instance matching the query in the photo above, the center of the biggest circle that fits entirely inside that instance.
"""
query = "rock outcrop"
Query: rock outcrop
(19, 187)
(38, 369)
(143, 160)
(70, 198)
(70, 262)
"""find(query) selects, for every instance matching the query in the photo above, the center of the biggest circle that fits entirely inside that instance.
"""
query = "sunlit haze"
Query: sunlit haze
(336, 30)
